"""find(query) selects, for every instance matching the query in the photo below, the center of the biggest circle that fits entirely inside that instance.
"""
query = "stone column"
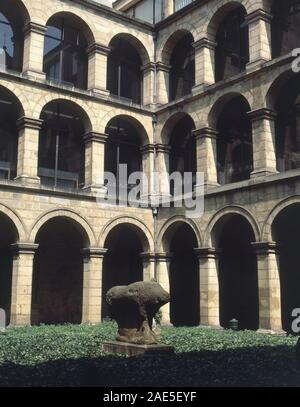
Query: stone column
(22, 274)
(28, 149)
(268, 286)
(168, 8)
(148, 169)
(263, 139)
(148, 266)
(92, 285)
(148, 83)
(34, 36)
(163, 278)
(97, 69)
(209, 286)
(163, 168)
(204, 63)
(163, 82)
(260, 47)
(206, 144)
(94, 162)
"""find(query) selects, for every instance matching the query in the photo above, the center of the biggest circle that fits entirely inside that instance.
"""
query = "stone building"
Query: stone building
(200, 85)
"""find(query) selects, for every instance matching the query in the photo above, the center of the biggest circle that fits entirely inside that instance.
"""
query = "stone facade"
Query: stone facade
(30, 205)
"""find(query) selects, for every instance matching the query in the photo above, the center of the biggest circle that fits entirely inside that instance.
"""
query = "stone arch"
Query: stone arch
(82, 114)
(166, 48)
(78, 22)
(267, 226)
(276, 86)
(171, 122)
(141, 229)
(17, 222)
(139, 126)
(222, 214)
(217, 13)
(163, 245)
(136, 43)
(220, 104)
(83, 225)
(11, 94)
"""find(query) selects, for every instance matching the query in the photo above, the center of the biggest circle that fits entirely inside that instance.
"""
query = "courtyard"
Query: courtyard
(71, 355)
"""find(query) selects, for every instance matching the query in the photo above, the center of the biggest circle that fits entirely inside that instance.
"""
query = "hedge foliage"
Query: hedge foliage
(71, 355)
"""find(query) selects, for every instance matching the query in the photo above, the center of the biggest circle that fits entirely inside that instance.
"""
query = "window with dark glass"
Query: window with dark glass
(124, 76)
(288, 126)
(234, 142)
(285, 26)
(9, 114)
(232, 50)
(11, 37)
(61, 147)
(183, 150)
(123, 146)
(182, 73)
(65, 53)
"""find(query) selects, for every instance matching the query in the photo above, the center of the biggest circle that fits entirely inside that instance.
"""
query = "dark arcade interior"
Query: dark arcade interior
(238, 279)
(58, 273)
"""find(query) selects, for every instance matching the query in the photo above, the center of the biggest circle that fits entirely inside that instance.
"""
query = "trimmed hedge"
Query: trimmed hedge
(71, 355)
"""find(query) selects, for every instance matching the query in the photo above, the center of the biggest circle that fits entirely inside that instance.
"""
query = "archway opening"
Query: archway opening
(184, 276)
(182, 73)
(124, 70)
(123, 147)
(13, 18)
(234, 142)
(285, 26)
(232, 51)
(122, 264)
(58, 273)
(287, 107)
(285, 231)
(10, 112)
(183, 157)
(65, 50)
(61, 146)
(8, 236)
(238, 278)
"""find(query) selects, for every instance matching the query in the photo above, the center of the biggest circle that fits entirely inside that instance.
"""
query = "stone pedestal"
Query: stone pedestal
(130, 349)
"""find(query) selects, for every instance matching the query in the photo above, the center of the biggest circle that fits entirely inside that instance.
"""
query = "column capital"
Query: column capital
(204, 43)
(205, 132)
(162, 256)
(163, 148)
(147, 149)
(262, 114)
(35, 28)
(263, 248)
(148, 256)
(259, 15)
(94, 252)
(207, 252)
(93, 136)
(162, 66)
(150, 66)
(98, 49)
(24, 248)
(29, 123)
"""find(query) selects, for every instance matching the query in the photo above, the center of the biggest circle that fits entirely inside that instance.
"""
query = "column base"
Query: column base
(100, 91)
(217, 327)
(252, 66)
(27, 180)
(97, 190)
(201, 87)
(272, 332)
(31, 74)
(263, 173)
(207, 186)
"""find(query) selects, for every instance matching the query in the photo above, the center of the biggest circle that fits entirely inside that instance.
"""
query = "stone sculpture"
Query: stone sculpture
(134, 307)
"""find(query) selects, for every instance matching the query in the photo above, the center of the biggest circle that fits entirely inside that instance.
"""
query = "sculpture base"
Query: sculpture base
(131, 349)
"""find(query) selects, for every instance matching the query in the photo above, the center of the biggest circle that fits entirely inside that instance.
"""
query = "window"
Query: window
(65, 54)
